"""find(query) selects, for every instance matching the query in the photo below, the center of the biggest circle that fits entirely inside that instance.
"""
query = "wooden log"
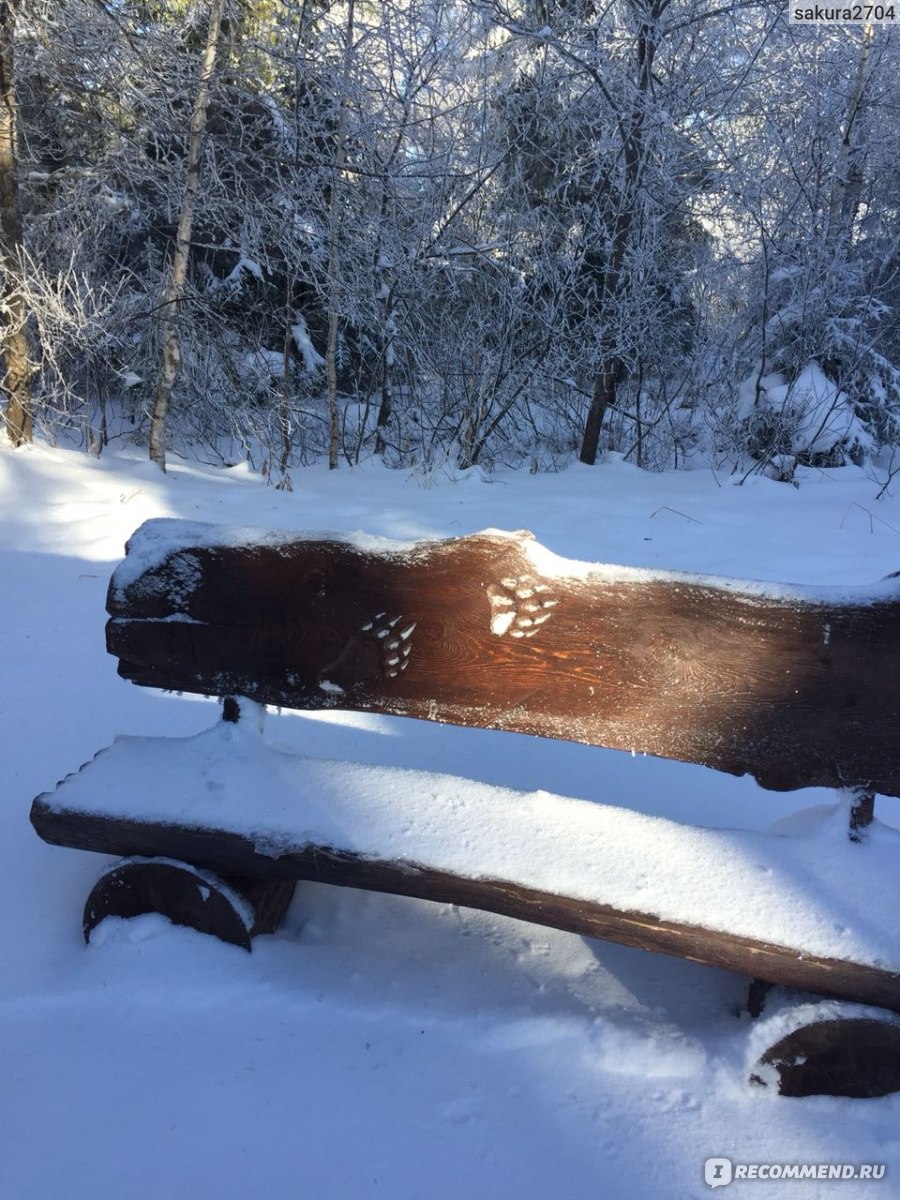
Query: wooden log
(797, 687)
(233, 854)
(846, 1056)
(233, 909)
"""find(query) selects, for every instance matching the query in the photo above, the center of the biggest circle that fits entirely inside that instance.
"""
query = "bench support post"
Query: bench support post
(862, 813)
(756, 996)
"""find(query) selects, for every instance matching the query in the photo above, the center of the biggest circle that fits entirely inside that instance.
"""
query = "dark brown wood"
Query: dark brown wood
(862, 813)
(232, 854)
(757, 992)
(269, 900)
(797, 692)
(846, 1056)
(189, 896)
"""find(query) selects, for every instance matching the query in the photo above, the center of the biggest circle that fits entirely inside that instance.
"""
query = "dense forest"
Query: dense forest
(451, 231)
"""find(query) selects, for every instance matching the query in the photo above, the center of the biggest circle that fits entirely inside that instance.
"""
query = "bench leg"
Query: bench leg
(757, 992)
(234, 910)
(862, 813)
(852, 1055)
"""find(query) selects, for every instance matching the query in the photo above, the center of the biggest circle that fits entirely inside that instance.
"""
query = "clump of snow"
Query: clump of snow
(257, 366)
(332, 689)
(163, 538)
(551, 566)
(822, 414)
(233, 281)
(312, 359)
(807, 415)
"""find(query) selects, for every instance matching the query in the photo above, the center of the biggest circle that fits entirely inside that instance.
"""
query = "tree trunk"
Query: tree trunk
(17, 368)
(284, 402)
(845, 196)
(170, 353)
(334, 260)
(386, 404)
(614, 368)
(606, 385)
(384, 294)
(334, 416)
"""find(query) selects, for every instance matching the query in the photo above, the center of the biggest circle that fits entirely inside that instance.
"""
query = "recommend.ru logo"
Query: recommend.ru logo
(719, 1171)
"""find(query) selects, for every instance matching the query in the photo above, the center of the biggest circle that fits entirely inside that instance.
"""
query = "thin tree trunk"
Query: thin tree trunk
(386, 404)
(334, 416)
(614, 368)
(17, 368)
(284, 402)
(848, 176)
(384, 294)
(639, 427)
(606, 385)
(334, 260)
(387, 332)
(170, 353)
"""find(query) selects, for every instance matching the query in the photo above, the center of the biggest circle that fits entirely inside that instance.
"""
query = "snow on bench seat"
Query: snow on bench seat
(812, 910)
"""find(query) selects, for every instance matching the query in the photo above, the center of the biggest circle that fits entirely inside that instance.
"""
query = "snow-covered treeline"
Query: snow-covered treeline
(451, 230)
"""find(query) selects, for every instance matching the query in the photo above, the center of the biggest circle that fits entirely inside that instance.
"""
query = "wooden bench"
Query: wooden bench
(796, 686)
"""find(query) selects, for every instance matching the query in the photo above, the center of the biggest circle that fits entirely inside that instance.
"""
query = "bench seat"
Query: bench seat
(815, 911)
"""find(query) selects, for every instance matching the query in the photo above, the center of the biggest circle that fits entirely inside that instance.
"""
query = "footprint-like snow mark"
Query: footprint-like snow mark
(520, 605)
(395, 644)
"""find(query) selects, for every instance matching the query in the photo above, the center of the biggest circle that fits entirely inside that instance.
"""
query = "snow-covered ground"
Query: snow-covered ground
(379, 1046)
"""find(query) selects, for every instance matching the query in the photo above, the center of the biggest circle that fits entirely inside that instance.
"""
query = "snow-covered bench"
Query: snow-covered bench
(796, 686)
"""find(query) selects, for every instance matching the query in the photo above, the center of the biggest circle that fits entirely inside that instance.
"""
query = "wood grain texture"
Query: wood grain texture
(232, 854)
(796, 692)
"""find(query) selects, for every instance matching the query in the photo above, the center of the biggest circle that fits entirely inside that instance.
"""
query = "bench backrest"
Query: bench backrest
(798, 686)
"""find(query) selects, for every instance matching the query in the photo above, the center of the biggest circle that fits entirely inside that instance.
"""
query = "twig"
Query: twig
(871, 516)
(678, 513)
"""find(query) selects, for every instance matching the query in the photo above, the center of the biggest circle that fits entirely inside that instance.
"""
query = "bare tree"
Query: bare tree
(17, 369)
(334, 256)
(170, 354)
(490, 231)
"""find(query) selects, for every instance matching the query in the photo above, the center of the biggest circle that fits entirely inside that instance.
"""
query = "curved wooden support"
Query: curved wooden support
(232, 910)
(844, 1056)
